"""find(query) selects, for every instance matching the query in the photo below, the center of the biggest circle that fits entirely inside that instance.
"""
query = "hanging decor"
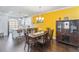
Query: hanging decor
(66, 18)
(40, 19)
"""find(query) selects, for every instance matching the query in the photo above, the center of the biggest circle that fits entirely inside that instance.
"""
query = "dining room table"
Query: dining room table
(33, 38)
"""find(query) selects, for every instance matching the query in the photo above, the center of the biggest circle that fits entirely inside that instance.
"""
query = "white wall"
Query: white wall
(4, 24)
(29, 21)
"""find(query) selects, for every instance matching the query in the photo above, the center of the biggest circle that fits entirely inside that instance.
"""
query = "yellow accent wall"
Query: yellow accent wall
(51, 17)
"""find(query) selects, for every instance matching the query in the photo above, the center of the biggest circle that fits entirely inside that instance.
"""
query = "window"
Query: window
(13, 24)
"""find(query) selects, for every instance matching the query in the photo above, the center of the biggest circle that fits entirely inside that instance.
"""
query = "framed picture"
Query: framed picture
(66, 25)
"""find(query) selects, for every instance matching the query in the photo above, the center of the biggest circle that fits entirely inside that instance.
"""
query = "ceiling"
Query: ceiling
(19, 11)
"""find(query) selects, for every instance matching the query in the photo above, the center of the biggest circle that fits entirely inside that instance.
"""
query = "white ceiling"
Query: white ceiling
(18, 11)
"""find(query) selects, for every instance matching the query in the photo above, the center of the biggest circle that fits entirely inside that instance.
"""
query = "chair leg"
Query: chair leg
(25, 47)
(51, 40)
(29, 47)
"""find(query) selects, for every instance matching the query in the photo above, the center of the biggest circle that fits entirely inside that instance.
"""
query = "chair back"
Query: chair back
(46, 36)
(50, 32)
(29, 30)
(26, 37)
(35, 29)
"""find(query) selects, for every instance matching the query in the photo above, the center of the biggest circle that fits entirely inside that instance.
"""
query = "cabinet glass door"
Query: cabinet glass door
(59, 26)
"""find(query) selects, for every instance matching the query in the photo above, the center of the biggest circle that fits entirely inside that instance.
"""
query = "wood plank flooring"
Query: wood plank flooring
(17, 45)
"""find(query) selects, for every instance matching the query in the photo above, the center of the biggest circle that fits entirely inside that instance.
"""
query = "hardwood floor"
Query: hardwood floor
(17, 45)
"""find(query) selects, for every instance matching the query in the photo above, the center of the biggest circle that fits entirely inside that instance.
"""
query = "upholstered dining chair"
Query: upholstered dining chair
(35, 29)
(26, 40)
(29, 41)
(29, 30)
(19, 31)
(42, 40)
(51, 35)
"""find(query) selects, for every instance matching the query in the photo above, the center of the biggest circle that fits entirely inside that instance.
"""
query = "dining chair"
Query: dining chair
(26, 40)
(50, 32)
(29, 41)
(29, 30)
(51, 35)
(35, 29)
(42, 40)
(19, 31)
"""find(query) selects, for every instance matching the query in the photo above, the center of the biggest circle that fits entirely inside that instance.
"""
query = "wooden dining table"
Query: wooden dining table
(33, 38)
(36, 34)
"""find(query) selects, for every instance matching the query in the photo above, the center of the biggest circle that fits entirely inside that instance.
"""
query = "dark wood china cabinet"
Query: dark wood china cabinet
(67, 31)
